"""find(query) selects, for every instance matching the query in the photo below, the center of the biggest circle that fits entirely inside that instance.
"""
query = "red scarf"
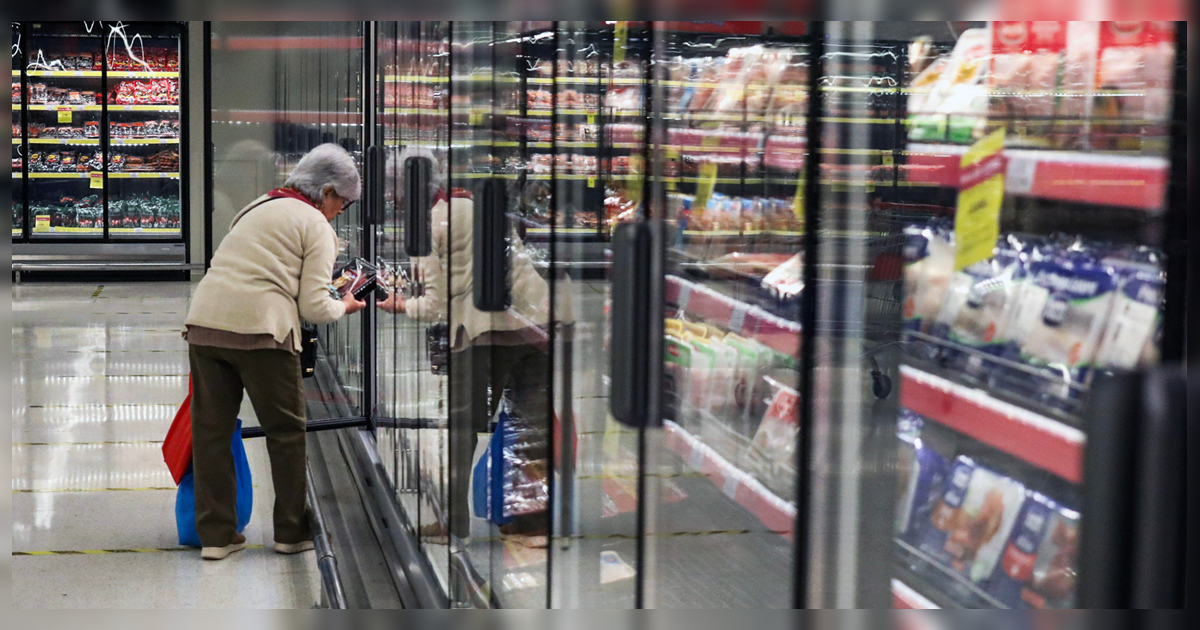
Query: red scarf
(280, 193)
(459, 193)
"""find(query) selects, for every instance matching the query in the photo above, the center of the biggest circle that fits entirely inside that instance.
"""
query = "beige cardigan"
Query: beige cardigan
(272, 269)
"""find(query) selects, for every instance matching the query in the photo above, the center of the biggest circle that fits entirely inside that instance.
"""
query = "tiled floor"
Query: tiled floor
(98, 373)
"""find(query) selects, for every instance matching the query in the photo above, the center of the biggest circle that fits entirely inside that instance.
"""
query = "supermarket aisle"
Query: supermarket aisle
(98, 372)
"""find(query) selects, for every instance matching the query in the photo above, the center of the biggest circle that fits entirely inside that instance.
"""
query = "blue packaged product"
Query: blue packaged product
(1038, 569)
(922, 475)
(972, 521)
(974, 315)
(1057, 323)
(1131, 335)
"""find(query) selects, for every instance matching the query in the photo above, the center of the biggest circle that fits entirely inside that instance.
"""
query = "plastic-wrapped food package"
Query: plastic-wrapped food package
(973, 519)
(922, 475)
(1039, 567)
(1131, 337)
(526, 489)
(1025, 70)
(773, 450)
(978, 305)
(1133, 80)
(929, 264)
(950, 99)
(357, 276)
(1058, 322)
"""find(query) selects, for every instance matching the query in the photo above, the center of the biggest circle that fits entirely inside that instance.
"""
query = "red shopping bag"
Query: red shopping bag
(177, 447)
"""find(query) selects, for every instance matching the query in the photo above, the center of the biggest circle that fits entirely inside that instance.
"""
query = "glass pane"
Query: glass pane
(18, 135)
(499, 309)
(587, 174)
(144, 133)
(66, 163)
(970, 287)
(413, 379)
(285, 88)
(733, 105)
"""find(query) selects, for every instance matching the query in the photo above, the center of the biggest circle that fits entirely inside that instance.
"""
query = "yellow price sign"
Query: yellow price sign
(704, 188)
(591, 119)
(65, 115)
(710, 141)
(889, 160)
(591, 182)
(97, 180)
(799, 199)
(620, 36)
(980, 196)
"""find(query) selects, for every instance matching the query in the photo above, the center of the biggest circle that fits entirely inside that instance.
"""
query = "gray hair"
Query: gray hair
(327, 166)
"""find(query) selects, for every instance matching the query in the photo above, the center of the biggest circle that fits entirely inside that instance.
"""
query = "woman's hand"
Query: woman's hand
(353, 304)
(394, 304)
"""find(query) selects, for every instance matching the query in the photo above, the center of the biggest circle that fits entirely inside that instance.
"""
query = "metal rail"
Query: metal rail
(331, 580)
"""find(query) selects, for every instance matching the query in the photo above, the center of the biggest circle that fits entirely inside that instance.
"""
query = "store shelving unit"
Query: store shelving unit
(107, 130)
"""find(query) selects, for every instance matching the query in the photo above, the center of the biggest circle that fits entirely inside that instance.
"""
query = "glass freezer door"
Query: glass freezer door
(412, 379)
(730, 101)
(18, 134)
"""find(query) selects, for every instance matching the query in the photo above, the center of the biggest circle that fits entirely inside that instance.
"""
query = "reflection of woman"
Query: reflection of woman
(492, 354)
(243, 332)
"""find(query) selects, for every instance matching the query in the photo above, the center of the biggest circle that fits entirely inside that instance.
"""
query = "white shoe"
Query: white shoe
(220, 553)
(299, 547)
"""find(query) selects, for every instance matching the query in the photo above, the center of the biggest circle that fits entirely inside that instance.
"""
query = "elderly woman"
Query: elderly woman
(243, 332)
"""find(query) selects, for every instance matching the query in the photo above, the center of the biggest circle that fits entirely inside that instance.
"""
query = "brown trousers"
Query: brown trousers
(273, 380)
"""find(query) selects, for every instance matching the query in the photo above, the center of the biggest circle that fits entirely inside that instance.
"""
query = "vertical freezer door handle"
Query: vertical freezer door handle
(491, 247)
(373, 205)
(630, 351)
(418, 172)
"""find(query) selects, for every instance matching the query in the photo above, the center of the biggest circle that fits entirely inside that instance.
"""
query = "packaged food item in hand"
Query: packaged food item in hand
(357, 277)
(973, 519)
(1039, 567)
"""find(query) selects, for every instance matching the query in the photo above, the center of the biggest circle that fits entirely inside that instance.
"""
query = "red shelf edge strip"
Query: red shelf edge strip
(995, 423)
(776, 515)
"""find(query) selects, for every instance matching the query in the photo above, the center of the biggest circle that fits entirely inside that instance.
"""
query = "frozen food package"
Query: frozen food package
(772, 452)
(954, 105)
(677, 372)
(1057, 324)
(357, 276)
(929, 263)
(1131, 336)
(1039, 567)
(922, 475)
(973, 519)
(1026, 66)
(786, 281)
(751, 361)
(977, 308)
(1133, 82)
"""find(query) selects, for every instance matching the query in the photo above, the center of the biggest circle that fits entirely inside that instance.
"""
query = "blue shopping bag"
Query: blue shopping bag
(185, 497)
(487, 478)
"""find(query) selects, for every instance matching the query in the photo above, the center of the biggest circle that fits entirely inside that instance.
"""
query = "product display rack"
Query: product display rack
(105, 122)
(765, 470)
(19, 148)
(1021, 424)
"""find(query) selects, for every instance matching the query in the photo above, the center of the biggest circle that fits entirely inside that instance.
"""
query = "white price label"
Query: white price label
(738, 319)
(685, 296)
(1021, 174)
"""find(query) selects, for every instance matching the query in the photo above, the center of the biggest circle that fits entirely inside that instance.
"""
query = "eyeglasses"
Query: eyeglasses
(346, 206)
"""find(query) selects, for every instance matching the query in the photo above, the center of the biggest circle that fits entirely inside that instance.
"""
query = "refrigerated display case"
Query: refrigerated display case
(786, 341)
(105, 131)
(18, 135)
